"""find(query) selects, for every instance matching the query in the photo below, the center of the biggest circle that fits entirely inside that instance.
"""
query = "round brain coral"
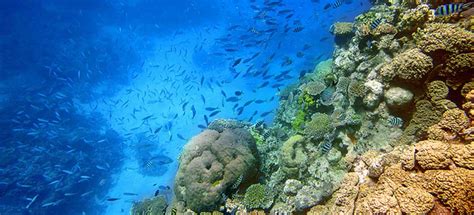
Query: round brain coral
(411, 65)
(210, 164)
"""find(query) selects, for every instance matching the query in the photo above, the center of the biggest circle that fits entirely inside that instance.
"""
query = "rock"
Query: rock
(398, 97)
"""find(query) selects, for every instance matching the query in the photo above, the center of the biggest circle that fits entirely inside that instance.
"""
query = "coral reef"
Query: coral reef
(384, 127)
(211, 164)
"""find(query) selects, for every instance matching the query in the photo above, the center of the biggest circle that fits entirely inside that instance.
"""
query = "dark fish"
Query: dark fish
(223, 94)
(181, 137)
(236, 62)
(202, 126)
(298, 29)
(203, 99)
(202, 81)
(327, 6)
(211, 108)
(259, 101)
(193, 109)
(238, 93)
(157, 130)
(214, 113)
(240, 110)
(374, 24)
(147, 117)
(206, 119)
(112, 199)
(248, 103)
(263, 85)
(232, 99)
(299, 54)
(265, 113)
(130, 194)
(337, 3)
(323, 39)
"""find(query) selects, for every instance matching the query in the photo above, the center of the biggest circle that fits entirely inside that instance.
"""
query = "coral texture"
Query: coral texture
(409, 65)
(444, 37)
(210, 164)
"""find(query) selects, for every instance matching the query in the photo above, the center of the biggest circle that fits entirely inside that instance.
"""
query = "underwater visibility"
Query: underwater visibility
(278, 107)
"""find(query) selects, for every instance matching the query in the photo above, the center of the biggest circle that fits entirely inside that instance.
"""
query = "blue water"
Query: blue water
(97, 97)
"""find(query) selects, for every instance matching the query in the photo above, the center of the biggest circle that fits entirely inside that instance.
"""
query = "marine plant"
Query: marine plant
(299, 120)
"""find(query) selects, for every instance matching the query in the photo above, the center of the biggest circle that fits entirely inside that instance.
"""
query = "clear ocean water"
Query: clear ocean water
(98, 97)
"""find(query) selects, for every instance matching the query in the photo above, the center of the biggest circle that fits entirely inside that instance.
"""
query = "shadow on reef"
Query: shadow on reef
(385, 126)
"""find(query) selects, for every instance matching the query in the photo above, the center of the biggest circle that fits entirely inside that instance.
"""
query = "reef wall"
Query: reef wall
(385, 126)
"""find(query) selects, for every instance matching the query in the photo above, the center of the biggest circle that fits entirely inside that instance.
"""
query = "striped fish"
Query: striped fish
(266, 134)
(374, 24)
(395, 121)
(337, 3)
(448, 9)
(326, 147)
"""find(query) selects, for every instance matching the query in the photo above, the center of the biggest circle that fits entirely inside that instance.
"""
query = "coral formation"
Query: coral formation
(341, 28)
(319, 125)
(444, 37)
(258, 196)
(409, 66)
(156, 205)
(211, 163)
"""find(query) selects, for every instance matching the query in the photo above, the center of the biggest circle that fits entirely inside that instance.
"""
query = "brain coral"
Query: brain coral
(437, 90)
(210, 164)
(409, 65)
(446, 37)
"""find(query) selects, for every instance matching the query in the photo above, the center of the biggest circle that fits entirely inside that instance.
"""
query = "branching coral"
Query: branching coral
(410, 65)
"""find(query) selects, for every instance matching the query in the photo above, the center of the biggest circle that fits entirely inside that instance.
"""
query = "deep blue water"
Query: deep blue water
(97, 98)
